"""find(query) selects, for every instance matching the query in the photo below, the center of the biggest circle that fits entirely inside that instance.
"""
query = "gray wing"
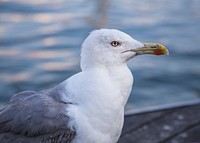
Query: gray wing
(35, 117)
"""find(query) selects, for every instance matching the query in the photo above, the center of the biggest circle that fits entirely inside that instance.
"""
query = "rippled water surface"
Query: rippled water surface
(40, 44)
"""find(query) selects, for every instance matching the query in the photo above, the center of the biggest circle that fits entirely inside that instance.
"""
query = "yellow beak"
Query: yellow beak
(151, 48)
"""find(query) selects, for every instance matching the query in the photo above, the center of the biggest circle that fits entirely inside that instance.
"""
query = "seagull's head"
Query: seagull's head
(107, 47)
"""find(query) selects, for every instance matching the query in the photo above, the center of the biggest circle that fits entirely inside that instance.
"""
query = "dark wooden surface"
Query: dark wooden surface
(177, 125)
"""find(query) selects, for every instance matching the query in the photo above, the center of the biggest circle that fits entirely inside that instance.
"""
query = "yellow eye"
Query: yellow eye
(115, 43)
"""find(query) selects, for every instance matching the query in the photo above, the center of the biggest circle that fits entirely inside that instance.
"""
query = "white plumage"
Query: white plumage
(101, 90)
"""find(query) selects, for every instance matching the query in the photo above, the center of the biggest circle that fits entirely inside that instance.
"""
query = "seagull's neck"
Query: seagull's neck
(119, 75)
(122, 78)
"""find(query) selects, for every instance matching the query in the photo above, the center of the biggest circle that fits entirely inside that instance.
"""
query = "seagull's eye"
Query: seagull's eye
(115, 43)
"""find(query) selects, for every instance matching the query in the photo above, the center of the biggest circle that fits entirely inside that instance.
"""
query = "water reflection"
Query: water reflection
(40, 44)
(99, 18)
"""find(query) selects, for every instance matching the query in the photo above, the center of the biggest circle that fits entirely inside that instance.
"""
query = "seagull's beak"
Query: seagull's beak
(151, 48)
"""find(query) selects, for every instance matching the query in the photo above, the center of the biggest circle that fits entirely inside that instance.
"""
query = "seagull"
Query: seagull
(88, 107)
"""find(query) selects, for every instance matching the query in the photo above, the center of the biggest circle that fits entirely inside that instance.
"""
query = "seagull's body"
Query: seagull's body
(100, 118)
(86, 108)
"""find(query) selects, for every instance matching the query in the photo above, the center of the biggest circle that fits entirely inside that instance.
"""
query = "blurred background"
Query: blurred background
(40, 44)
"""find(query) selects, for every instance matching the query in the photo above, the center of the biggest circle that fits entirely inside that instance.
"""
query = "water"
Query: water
(40, 44)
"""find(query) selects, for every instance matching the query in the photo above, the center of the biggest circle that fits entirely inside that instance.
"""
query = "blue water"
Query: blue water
(40, 44)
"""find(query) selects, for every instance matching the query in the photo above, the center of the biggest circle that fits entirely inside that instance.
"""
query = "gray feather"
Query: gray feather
(35, 117)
